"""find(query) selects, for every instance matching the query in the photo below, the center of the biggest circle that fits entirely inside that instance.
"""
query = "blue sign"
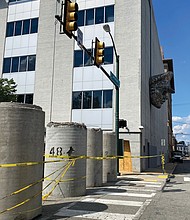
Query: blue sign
(114, 80)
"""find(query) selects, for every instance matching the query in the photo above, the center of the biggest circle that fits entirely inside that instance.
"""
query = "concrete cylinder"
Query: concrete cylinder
(109, 165)
(21, 140)
(66, 139)
(94, 149)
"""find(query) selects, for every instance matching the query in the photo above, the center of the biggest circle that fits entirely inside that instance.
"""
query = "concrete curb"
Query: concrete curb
(171, 172)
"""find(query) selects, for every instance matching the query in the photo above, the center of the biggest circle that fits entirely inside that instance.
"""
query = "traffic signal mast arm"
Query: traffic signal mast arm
(69, 23)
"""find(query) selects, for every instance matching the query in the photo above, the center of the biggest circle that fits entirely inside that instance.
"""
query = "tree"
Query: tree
(7, 90)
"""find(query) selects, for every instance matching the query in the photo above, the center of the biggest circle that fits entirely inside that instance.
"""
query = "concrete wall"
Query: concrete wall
(3, 23)
(53, 83)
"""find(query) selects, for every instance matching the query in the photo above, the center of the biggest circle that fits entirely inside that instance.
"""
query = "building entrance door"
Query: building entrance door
(125, 164)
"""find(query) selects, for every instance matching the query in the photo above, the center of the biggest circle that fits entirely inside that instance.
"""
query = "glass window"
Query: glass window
(29, 99)
(10, 29)
(18, 28)
(34, 25)
(97, 99)
(31, 62)
(6, 65)
(78, 58)
(12, 0)
(87, 99)
(26, 26)
(109, 13)
(87, 59)
(20, 98)
(89, 16)
(77, 98)
(108, 55)
(23, 63)
(107, 98)
(80, 20)
(99, 15)
(15, 64)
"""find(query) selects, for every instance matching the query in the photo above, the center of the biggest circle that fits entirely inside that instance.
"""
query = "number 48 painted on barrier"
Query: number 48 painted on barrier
(56, 151)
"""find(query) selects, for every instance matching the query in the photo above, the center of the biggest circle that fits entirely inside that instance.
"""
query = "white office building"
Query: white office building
(52, 71)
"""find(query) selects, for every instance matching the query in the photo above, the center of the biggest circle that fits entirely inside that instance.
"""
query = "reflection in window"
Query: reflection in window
(99, 16)
(25, 98)
(77, 98)
(31, 62)
(7, 65)
(15, 64)
(78, 58)
(34, 25)
(26, 26)
(97, 99)
(107, 98)
(87, 59)
(109, 13)
(108, 55)
(87, 99)
(29, 98)
(10, 29)
(23, 63)
(80, 20)
(18, 28)
(89, 16)
(92, 99)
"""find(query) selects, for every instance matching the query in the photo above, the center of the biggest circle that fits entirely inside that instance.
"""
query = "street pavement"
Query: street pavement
(125, 199)
(173, 203)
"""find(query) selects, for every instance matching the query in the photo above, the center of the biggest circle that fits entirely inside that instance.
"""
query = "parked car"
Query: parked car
(177, 157)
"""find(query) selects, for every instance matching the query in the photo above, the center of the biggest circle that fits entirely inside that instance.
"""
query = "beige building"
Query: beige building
(53, 72)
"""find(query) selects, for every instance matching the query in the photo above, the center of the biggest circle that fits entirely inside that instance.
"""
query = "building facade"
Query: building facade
(53, 72)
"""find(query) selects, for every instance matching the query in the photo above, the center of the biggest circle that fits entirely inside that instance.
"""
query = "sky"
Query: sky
(173, 25)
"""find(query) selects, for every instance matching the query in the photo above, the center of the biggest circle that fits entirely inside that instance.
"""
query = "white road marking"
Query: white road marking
(142, 208)
(113, 202)
(142, 195)
(186, 179)
(93, 215)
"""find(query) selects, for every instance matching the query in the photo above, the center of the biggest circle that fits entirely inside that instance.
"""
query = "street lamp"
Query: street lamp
(106, 28)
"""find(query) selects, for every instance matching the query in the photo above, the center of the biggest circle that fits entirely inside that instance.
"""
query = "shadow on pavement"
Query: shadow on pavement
(56, 211)
(173, 190)
(111, 190)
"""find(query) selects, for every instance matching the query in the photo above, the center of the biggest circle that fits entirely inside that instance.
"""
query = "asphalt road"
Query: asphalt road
(173, 203)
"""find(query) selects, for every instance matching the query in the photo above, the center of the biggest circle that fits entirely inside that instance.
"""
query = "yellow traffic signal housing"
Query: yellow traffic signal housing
(70, 18)
(99, 52)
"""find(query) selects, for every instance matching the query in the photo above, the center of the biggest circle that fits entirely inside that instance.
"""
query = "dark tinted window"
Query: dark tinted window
(107, 98)
(87, 99)
(80, 20)
(89, 16)
(6, 65)
(26, 26)
(78, 58)
(23, 63)
(15, 64)
(109, 13)
(29, 99)
(97, 99)
(10, 29)
(99, 15)
(34, 25)
(108, 55)
(18, 28)
(31, 62)
(20, 98)
(77, 98)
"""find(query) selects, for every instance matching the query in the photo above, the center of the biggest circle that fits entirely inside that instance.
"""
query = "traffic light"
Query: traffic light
(70, 18)
(99, 52)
